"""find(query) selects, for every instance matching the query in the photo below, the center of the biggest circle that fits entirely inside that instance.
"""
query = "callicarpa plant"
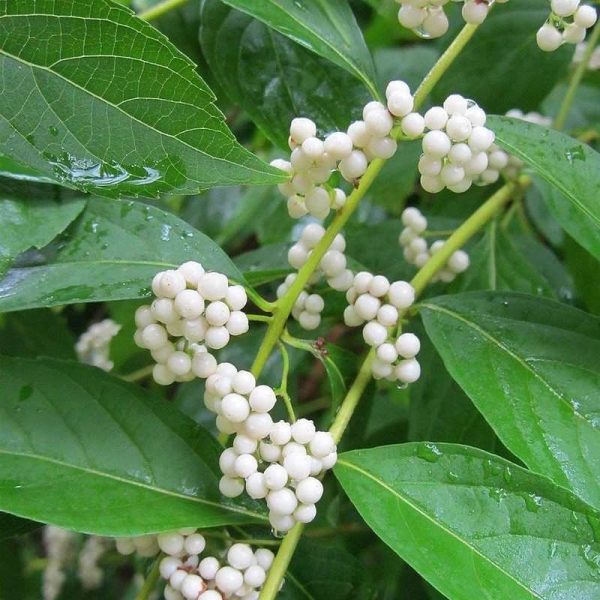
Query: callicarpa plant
(299, 299)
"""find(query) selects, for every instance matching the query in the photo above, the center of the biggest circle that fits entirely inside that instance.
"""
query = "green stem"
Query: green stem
(139, 374)
(259, 318)
(150, 582)
(282, 391)
(284, 306)
(161, 9)
(462, 235)
(352, 398)
(443, 63)
(565, 107)
(281, 562)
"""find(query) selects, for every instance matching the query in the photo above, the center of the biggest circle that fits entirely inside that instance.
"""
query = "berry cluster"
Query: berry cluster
(456, 147)
(567, 23)
(269, 460)
(376, 302)
(60, 549)
(312, 160)
(93, 346)
(193, 310)
(240, 574)
(90, 573)
(308, 307)
(417, 250)
(428, 19)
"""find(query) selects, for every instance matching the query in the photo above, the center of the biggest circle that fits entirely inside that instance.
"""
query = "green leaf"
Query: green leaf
(584, 268)
(474, 525)
(274, 79)
(322, 570)
(568, 170)
(324, 27)
(530, 365)
(37, 333)
(111, 253)
(32, 221)
(101, 101)
(497, 264)
(502, 60)
(440, 411)
(85, 451)
(11, 526)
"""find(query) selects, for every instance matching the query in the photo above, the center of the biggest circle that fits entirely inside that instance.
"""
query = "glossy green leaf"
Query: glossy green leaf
(530, 365)
(474, 525)
(100, 101)
(498, 264)
(585, 269)
(502, 67)
(325, 27)
(111, 253)
(32, 223)
(83, 450)
(568, 174)
(274, 79)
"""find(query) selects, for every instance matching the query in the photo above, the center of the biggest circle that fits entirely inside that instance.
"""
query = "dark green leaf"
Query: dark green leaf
(531, 367)
(499, 65)
(476, 526)
(324, 27)
(273, 78)
(99, 100)
(569, 174)
(88, 452)
(584, 268)
(11, 526)
(497, 264)
(111, 253)
(36, 333)
(32, 222)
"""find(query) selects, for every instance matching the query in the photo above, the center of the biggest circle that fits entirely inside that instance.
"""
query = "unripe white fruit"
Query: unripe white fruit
(460, 154)
(408, 345)
(238, 323)
(262, 399)
(303, 431)
(217, 313)
(329, 461)
(585, 16)
(387, 315)
(204, 364)
(179, 363)
(374, 333)
(429, 165)
(366, 306)
(305, 513)
(413, 125)
(387, 353)
(297, 466)
(210, 595)
(436, 23)
(395, 86)
(314, 303)
(229, 580)
(379, 122)
(144, 317)
(382, 147)
(432, 183)
(318, 203)
(291, 448)
(230, 487)
(177, 578)
(194, 544)
(338, 145)
(275, 477)
(436, 118)
(361, 281)
(208, 567)
(302, 128)
(359, 134)
(254, 576)
(309, 490)
(401, 294)
(189, 304)
(154, 336)
(353, 166)
(281, 522)
(240, 556)
(351, 317)
(574, 34)
(408, 371)
(458, 128)
(217, 337)
(163, 375)
(333, 263)
(322, 444)
(170, 543)
(458, 262)
(455, 104)
(452, 174)
(281, 433)
(168, 566)
(256, 487)
(213, 286)
(474, 12)
(235, 408)
(191, 271)
(476, 115)
(282, 502)
(258, 425)
(564, 8)
(378, 286)
(227, 462)
(436, 144)
(481, 139)
(411, 16)
(548, 38)
(313, 147)
(400, 103)
(269, 452)
(236, 297)
(309, 321)
(171, 283)
(245, 465)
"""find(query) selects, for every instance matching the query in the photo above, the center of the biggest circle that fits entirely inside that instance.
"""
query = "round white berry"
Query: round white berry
(168, 565)
(458, 128)
(227, 462)
(305, 513)
(564, 8)
(177, 578)
(144, 317)
(436, 144)
(213, 286)
(264, 558)
(256, 486)
(381, 148)
(455, 104)
(281, 522)
(585, 16)
(209, 595)
(194, 544)
(231, 487)
(476, 115)
(322, 444)
(311, 235)
(338, 145)
(297, 465)
(208, 567)
(408, 371)
(204, 364)
(281, 433)
(163, 375)
(179, 363)
(574, 34)
(401, 294)
(351, 317)
(192, 271)
(548, 38)
(474, 12)
(262, 398)
(481, 139)
(258, 425)
(374, 333)
(235, 408)
(378, 286)
(353, 166)
(408, 345)
(245, 465)
(333, 263)
(269, 452)
(293, 448)
(154, 336)
(236, 297)
(217, 337)
(387, 353)
(413, 125)
(229, 580)
(275, 477)
(387, 315)
(430, 166)
(318, 203)
(314, 303)
(458, 262)
(302, 128)
(435, 23)
(313, 147)
(366, 306)
(254, 576)
(189, 304)
(171, 283)
(329, 461)
(303, 431)
(282, 502)
(243, 382)
(411, 16)
(170, 543)
(238, 323)
(240, 556)
(436, 118)
(309, 490)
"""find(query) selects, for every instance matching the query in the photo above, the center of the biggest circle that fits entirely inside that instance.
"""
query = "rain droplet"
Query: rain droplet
(429, 452)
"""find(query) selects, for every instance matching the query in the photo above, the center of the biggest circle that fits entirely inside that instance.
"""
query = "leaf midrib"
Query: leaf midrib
(437, 524)
(94, 472)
